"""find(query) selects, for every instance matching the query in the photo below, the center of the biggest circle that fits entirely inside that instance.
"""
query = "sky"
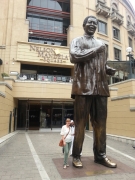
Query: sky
(133, 3)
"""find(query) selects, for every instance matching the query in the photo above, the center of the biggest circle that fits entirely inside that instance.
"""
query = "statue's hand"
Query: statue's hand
(101, 48)
(111, 71)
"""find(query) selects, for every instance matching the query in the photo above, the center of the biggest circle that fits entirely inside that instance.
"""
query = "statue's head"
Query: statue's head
(90, 25)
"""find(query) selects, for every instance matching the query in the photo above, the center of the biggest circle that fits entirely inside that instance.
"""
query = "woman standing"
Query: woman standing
(67, 139)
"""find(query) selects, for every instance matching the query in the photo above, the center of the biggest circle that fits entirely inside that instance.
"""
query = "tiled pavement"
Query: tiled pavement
(18, 161)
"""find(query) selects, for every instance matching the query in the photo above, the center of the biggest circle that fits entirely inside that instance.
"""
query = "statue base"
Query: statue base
(90, 168)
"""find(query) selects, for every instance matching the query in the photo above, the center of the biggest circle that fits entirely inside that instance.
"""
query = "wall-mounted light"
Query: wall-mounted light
(13, 73)
(3, 47)
(13, 61)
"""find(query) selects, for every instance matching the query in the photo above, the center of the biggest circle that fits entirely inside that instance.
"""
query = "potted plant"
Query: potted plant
(4, 75)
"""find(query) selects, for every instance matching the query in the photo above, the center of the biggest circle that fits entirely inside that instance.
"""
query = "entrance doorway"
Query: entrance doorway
(57, 118)
(35, 115)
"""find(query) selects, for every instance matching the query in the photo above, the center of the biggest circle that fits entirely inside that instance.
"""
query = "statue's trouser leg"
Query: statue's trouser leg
(81, 116)
(98, 113)
(97, 107)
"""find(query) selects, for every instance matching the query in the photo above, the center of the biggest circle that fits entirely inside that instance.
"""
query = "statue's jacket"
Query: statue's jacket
(90, 67)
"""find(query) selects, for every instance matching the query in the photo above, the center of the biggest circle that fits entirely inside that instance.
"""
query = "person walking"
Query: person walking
(67, 139)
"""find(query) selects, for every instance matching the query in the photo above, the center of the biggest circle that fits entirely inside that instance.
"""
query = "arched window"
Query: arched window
(56, 5)
(128, 19)
(114, 7)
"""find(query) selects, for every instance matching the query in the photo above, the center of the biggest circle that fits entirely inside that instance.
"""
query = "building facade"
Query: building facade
(35, 65)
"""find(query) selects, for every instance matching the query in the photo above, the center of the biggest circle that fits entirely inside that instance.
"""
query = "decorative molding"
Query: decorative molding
(116, 2)
(102, 34)
(117, 47)
(103, 40)
(9, 78)
(6, 84)
(132, 108)
(122, 82)
(131, 96)
(2, 94)
(113, 89)
(125, 139)
(3, 47)
(128, 14)
(42, 82)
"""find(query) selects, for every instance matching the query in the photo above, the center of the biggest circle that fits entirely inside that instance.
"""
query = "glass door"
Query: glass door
(56, 118)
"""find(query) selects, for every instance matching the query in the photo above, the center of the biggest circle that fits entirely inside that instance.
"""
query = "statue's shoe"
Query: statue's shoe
(106, 162)
(77, 163)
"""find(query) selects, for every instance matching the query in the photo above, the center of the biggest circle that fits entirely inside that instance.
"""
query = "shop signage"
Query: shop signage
(49, 55)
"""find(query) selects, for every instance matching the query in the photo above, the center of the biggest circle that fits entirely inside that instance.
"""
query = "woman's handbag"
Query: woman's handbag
(61, 143)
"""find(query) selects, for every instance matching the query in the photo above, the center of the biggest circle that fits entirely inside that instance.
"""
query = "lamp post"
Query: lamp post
(130, 55)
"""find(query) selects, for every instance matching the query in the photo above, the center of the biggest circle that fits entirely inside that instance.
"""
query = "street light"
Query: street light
(130, 55)
(129, 50)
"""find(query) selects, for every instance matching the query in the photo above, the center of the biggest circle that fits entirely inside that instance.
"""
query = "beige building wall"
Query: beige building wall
(121, 109)
(42, 90)
(14, 27)
(7, 104)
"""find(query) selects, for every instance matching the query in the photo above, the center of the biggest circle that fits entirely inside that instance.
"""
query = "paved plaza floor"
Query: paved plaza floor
(36, 156)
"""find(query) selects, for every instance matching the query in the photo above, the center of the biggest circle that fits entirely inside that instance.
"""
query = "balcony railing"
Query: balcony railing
(102, 9)
(44, 77)
(124, 70)
(131, 29)
(116, 17)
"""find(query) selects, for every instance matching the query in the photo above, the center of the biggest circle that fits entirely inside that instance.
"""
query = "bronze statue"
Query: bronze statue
(90, 91)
